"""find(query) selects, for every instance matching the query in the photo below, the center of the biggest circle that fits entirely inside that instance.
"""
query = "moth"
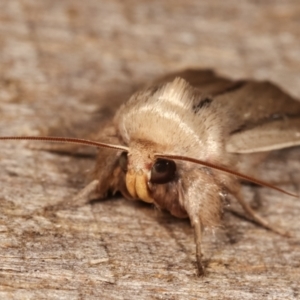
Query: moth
(185, 143)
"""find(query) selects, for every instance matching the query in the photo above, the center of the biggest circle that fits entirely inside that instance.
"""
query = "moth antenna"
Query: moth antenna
(226, 170)
(67, 140)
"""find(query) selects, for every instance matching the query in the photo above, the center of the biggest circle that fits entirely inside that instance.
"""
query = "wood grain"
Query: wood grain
(61, 62)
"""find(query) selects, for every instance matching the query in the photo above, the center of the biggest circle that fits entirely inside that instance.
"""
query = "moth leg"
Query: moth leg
(203, 205)
(84, 196)
(257, 218)
(198, 240)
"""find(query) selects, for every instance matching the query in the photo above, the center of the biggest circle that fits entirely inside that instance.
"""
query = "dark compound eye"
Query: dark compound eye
(123, 161)
(163, 171)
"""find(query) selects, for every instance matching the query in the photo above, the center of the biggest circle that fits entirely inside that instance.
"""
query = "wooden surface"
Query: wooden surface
(60, 62)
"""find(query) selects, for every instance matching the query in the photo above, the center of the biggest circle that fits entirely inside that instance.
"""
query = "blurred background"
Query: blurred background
(80, 50)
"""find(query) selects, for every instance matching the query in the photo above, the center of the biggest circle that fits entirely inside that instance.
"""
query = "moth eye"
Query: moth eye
(123, 161)
(163, 171)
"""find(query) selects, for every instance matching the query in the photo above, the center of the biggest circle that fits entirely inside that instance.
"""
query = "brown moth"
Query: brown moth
(185, 143)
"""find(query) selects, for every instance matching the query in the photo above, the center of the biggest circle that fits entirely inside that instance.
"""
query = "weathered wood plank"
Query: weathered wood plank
(60, 62)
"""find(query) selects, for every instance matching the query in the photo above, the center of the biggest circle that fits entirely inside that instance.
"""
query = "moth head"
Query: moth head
(143, 169)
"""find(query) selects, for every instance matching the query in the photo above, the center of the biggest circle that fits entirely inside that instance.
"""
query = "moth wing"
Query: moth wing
(264, 117)
(267, 137)
(207, 81)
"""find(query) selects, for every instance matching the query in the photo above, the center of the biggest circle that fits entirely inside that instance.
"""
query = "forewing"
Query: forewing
(270, 136)
(264, 117)
(207, 81)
